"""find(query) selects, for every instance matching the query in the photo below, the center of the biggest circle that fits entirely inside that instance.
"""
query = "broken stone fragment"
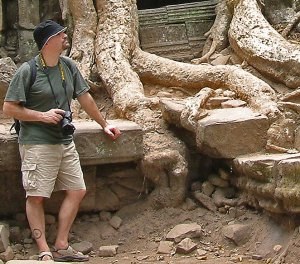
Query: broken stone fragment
(182, 231)
(238, 233)
(206, 201)
(165, 247)
(115, 222)
(186, 246)
(108, 251)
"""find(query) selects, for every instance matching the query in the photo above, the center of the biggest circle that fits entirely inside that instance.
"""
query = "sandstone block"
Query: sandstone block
(108, 251)
(4, 238)
(186, 246)
(182, 231)
(271, 180)
(94, 147)
(228, 133)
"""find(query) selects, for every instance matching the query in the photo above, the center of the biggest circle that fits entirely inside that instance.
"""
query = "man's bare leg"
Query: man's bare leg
(66, 217)
(36, 218)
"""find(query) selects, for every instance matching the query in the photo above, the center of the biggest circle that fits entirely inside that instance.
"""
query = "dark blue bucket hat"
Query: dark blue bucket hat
(46, 30)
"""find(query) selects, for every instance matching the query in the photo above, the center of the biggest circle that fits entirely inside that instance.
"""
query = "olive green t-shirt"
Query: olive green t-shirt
(40, 97)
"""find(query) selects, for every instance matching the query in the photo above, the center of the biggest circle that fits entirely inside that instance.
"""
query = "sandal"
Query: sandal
(43, 254)
(68, 255)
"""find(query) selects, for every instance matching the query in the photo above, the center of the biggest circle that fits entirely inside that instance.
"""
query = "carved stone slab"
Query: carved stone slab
(228, 133)
(270, 181)
(93, 146)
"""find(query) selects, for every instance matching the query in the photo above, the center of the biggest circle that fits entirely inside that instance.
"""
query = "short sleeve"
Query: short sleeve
(19, 84)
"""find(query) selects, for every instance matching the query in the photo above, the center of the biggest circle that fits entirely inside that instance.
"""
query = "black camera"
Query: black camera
(66, 124)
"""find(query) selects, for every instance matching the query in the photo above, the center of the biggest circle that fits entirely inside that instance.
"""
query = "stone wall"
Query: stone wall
(173, 31)
(176, 31)
(17, 21)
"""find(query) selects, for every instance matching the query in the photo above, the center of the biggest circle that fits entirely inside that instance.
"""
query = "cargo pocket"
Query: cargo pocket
(29, 176)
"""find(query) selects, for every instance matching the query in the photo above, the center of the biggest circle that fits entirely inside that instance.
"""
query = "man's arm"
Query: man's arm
(18, 111)
(89, 106)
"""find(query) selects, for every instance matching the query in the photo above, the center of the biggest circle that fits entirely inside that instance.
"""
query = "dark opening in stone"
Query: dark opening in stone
(149, 4)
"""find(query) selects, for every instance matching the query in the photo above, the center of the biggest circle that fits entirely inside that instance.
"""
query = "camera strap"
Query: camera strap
(62, 74)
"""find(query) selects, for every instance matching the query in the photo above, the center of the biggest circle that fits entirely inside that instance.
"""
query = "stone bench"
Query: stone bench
(94, 148)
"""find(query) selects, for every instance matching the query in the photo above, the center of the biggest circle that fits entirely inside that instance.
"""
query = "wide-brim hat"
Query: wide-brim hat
(46, 30)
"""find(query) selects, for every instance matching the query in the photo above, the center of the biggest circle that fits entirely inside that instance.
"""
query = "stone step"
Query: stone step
(223, 133)
(94, 147)
(270, 181)
(229, 133)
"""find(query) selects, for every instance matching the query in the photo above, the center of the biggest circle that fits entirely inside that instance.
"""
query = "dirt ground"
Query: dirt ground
(142, 229)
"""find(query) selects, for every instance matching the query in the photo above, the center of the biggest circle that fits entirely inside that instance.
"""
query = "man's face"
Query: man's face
(65, 42)
(59, 41)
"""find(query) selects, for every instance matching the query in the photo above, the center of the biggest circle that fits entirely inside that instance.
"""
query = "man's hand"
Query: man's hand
(112, 131)
(53, 116)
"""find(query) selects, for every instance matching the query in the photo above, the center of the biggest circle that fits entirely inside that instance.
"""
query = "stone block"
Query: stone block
(52, 205)
(272, 180)
(171, 110)
(11, 193)
(94, 147)
(228, 133)
(4, 238)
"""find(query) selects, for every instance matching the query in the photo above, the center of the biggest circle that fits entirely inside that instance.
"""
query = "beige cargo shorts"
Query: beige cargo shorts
(47, 168)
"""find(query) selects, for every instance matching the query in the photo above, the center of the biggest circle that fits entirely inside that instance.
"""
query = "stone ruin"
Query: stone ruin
(172, 31)
(229, 133)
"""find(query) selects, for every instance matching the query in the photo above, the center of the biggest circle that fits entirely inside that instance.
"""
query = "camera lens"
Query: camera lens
(66, 125)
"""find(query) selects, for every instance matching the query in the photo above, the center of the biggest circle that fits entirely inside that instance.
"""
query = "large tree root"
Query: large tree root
(291, 25)
(253, 38)
(153, 69)
(217, 36)
(164, 162)
(84, 27)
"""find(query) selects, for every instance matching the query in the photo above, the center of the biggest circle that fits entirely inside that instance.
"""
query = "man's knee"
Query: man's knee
(35, 200)
(77, 194)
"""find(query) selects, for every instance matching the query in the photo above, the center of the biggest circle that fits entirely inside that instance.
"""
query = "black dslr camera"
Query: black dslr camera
(66, 124)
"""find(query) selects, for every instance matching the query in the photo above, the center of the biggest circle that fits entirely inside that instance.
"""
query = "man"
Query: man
(49, 158)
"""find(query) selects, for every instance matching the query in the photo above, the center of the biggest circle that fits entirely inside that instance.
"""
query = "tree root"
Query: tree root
(291, 25)
(167, 170)
(293, 106)
(192, 111)
(280, 259)
(278, 149)
(217, 38)
(291, 96)
(249, 36)
(157, 70)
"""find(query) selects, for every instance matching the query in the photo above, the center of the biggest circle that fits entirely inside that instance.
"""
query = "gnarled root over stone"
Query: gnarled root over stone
(157, 70)
(168, 170)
